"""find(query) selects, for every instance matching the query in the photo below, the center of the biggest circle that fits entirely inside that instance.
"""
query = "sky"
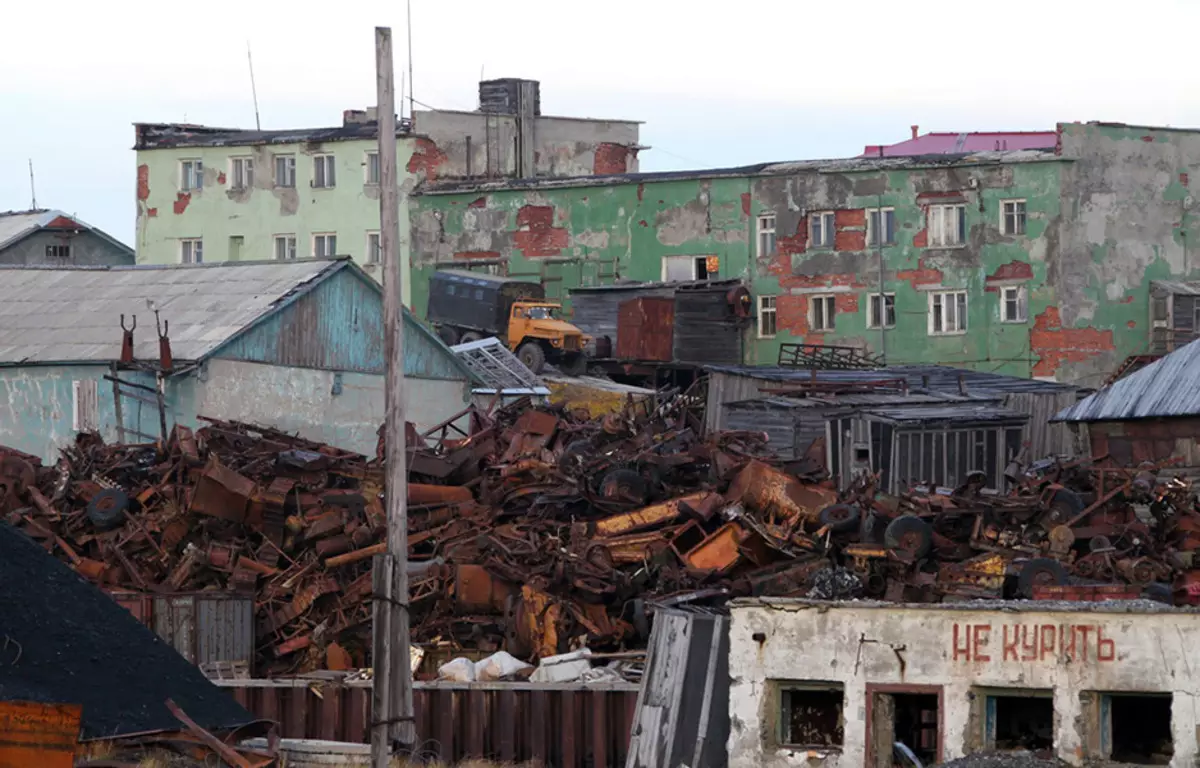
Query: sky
(716, 83)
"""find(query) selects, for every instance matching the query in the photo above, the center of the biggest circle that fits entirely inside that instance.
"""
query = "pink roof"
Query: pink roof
(955, 143)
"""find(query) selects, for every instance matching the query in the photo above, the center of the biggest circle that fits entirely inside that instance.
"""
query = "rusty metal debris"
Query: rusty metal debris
(540, 531)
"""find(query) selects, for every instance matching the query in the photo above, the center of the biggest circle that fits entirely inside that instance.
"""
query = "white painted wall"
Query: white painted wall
(301, 400)
(1153, 649)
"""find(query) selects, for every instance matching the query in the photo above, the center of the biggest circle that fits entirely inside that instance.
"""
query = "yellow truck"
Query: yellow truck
(469, 306)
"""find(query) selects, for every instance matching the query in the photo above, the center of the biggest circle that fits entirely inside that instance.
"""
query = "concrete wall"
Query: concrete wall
(307, 402)
(957, 651)
(563, 146)
(87, 249)
(217, 213)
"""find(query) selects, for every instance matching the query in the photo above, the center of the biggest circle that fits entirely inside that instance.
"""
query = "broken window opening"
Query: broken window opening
(1138, 728)
(905, 726)
(1022, 721)
(811, 716)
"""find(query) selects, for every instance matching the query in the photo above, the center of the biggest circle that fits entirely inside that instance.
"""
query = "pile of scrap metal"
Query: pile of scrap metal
(1079, 530)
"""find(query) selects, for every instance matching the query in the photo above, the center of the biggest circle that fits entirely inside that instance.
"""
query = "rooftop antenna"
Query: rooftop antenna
(32, 189)
(253, 89)
(412, 91)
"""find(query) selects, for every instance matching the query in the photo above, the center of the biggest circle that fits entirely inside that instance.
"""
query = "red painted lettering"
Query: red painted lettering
(1047, 632)
(1010, 648)
(1106, 649)
(980, 637)
(1083, 630)
(1029, 645)
(963, 651)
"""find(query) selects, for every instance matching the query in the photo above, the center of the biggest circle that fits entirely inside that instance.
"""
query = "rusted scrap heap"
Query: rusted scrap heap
(535, 531)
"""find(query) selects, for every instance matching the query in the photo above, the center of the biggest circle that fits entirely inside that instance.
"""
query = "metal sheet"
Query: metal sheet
(207, 627)
(645, 329)
(38, 734)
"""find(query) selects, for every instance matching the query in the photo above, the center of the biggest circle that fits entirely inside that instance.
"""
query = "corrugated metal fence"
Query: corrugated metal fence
(562, 725)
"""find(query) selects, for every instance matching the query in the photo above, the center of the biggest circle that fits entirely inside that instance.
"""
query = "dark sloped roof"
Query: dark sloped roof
(63, 641)
(1168, 387)
(935, 378)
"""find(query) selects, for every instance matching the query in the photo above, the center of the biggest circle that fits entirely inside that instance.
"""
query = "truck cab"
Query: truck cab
(535, 328)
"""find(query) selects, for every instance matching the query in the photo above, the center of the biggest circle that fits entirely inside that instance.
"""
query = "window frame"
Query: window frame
(763, 311)
(291, 251)
(289, 160)
(327, 238)
(828, 302)
(827, 233)
(367, 165)
(53, 251)
(193, 247)
(241, 165)
(191, 174)
(934, 235)
(765, 231)
(960, 319)
(1024, 216)
(885, 304)
(695, 261)
(85, 405)
(377, 251)
(871, 229)
(779, 731)
(1020, 300)
(324, 171)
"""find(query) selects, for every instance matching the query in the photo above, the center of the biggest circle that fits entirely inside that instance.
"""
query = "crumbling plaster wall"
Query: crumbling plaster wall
(959, 649)
(217, 212)
(1130, 218)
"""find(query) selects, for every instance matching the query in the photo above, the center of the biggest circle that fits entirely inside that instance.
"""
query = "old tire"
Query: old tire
(1065, 505)
(574, 455)
(106, 510)
(469, 336)
(839, 518)
(532, 356)
(574, 364)
(448, 335)
(1040, 571)
(910, 536)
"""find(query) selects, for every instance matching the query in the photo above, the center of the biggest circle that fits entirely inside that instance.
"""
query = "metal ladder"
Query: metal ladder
(497, 367)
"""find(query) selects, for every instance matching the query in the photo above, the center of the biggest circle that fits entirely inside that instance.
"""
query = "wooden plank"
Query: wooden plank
(537, 727)
(445, 722)
(476, 725)
(599, 730)
(567, 732)
(506, 738)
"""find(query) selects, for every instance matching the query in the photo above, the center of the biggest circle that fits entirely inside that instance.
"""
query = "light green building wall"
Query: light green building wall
(242, 224)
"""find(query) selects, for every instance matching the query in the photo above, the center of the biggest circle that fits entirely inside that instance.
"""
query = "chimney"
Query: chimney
(360, 116)
(914, 130)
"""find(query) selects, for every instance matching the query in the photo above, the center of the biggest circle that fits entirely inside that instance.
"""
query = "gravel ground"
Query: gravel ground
(1003, 760)
(64, 641)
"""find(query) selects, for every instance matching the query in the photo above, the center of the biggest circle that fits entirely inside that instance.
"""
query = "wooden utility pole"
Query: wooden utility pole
(391, 642)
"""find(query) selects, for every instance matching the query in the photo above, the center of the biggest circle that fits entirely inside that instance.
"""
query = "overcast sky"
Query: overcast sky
(717, 83)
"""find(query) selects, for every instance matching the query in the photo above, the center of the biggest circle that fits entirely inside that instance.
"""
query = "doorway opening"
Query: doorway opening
(1138, 728)
(905, 727)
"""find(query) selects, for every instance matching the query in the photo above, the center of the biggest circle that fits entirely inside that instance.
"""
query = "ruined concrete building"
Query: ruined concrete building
(1026, 254)
(879, 684)
(57, 239)
(218, 194)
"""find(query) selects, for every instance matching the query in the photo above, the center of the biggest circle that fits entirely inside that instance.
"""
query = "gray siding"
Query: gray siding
(87, 249)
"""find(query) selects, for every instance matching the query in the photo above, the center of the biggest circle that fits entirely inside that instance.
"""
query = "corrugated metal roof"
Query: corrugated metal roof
(959, 413)
(1168, 387)
(862, 399)
(975, 141)
(936, 378)
(74, 314)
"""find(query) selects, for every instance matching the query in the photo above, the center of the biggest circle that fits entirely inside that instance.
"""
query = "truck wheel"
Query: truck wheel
(574, 364)
(1040, 571)
(532, 356)
(469, 336)
(909, 535)
(448, 335)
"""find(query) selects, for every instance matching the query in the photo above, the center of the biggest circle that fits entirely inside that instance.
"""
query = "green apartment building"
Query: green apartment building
(1034, 262)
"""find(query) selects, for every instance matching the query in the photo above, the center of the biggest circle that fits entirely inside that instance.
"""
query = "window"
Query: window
(821, 313)
(766, 235)
(285, 247)
(323, 171)
(820, 229)
(1012, 217)
(947, 225)
(1012, 304)
(374, 248)
(58, 251)
(372, 167)
(242, 172)
(1136, 728)
(889, 226)
(85, 406)
(191, 251)
(811, 715)
(191, 175)
(766, 317)
(685, 268)
(285, 170)
(881, 311)
(324, 245)
(948, 312)
(1018, 720)
(1195, 317)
